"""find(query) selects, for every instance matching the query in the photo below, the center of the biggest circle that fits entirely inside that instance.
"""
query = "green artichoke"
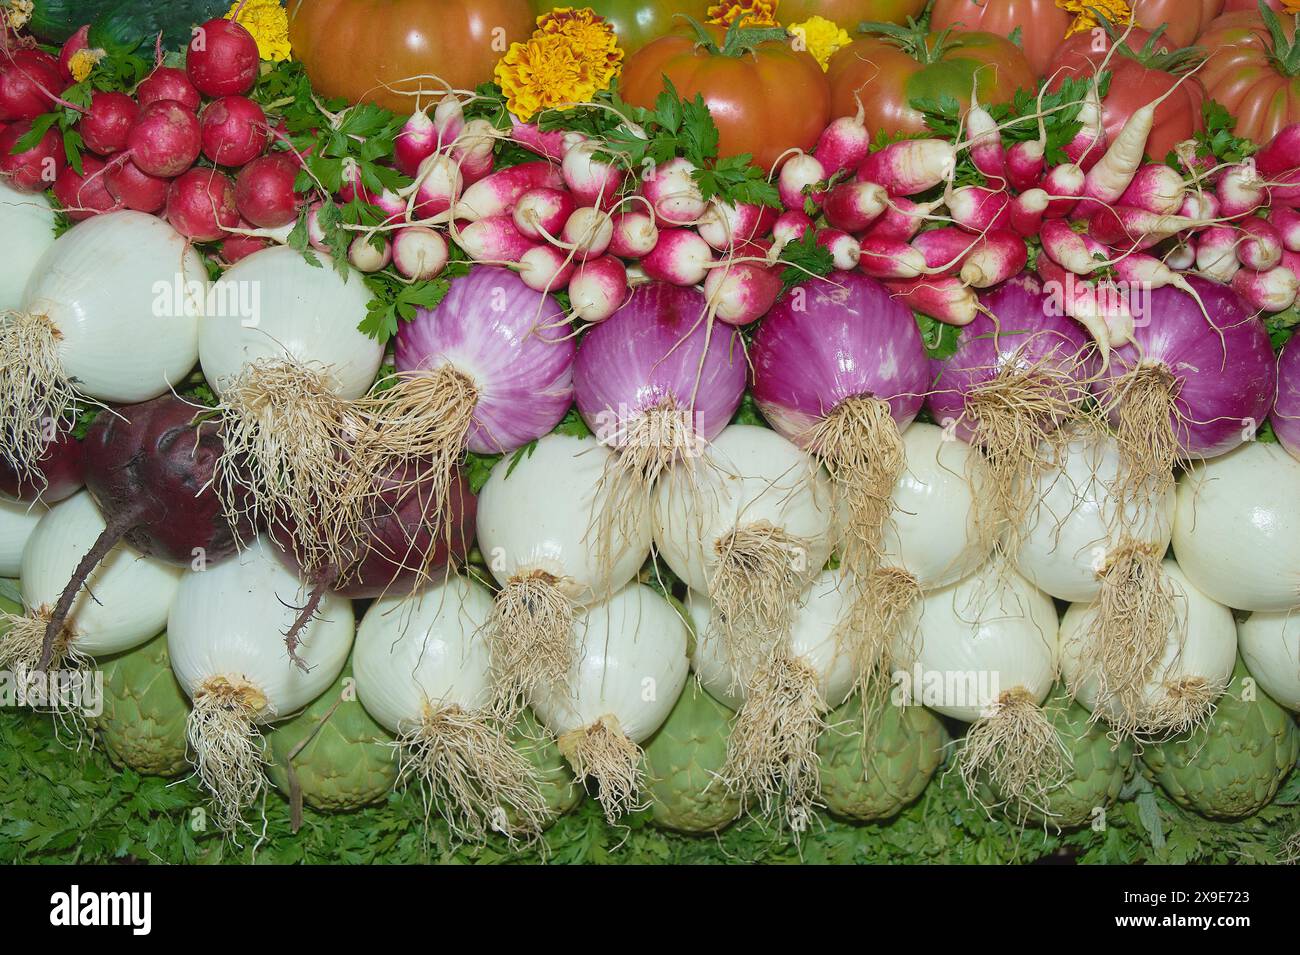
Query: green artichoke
(348, 763)
(9, 593)
(907, 750)
(1232, 766)
(1100, 769)
(143, 723)
(560, 791)
(681, 761)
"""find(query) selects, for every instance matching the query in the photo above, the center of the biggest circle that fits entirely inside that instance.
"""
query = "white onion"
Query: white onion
(1270, 647)
(1182, 685)
(17, 521)
(619, 690)
(27, 223)
(1237, 527)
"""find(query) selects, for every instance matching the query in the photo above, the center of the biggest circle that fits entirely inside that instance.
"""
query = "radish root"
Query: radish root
(471, 776)
(601, 752)
(755, 589)
(1017, 750)
(227, 748)
(35, 393)
(530, 633)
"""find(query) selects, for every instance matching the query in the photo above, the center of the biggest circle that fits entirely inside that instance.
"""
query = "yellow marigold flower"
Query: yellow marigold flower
(821, 37)
(1291, 6)
(591, 35)
(269, 24)
(546, 72)
(83, 61)
(17, 13)
(755, 13)
(1116, 11)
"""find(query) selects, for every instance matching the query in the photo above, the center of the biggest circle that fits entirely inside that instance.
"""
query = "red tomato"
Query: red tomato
(1243, 74)
(1183, 19)
(1042, 24)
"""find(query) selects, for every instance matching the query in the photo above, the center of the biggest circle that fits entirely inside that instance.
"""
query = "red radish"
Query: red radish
(598, 288)
(1182, 257)
(1216, 253)
(588, 231)
(1290, 260)
(222, 58)
(843, 145)
(1070, 250)
(798, 174)
(315, 234)
(978, 209)
(724, 225)
(136, 189)
(497, 194)
(264, 191)
(1281, 153)
(853, 206)
(890, 259)
(635, 234)
(370, 253)
(680, 257)
(910, 166)
(35, 169)
(233, 131)
(1240, 191)
(353, 189)
(549, 145)
(494, 239)
(473, 150)
(790, 226)
(448, 120)
(1098, 307)
(742, 292)
(1156, 188)
(1025, 164)
(167, 83)
(419, 253)
(1128, 228)
(543, 211)
(417, 141)
(1025, 214)
(1199, 205)
(592, 181)
(440, 185)
(944, 249)
(201, 204)
(1287, 224)
(986, 150)
(545, 268)
(105, 126)
(1063, 185)
(29, 79)
(845, 250)
(165, 139)
(1089, 143)
(673, 193)
(1260, 247)
(997, 256)
(235, 247)
(84, 194)
(902, 220)
(1284, 189)
(945, 299)
(1270, 291)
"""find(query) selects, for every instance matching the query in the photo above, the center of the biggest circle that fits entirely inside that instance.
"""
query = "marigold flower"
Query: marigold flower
(821, 37)
(1116, 11)
(754, 13)
(268, 22)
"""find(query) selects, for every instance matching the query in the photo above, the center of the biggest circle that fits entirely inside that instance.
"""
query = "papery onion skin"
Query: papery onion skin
(1022, 332)
(511, 341)
(1223, 381)
(1286, 408)
(658, 347)
(850, 339)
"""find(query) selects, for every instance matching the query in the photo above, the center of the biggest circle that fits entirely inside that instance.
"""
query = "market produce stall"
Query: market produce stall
(650, 432)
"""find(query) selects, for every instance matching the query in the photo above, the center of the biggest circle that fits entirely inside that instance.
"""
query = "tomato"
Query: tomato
(887, 76)
(352, 48)
(636, 22)
(1183, 19)
(849, 13)
(764, 101)
(1139, 73)
(1042, 24)
(1236, 6)
(1244, 76)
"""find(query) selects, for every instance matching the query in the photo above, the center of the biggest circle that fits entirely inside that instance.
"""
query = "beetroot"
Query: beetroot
(85, 194)
(29, 80)
(105, 126)
(201, 204)
(164, 140)
(234, 131)
(60, 473)
(34, 169)
(137, 190)
(167, 83)
(222, 59)
(264, 191)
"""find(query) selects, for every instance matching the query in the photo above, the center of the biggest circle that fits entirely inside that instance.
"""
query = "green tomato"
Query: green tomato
(1232, 766)
(907, 749)
(681, 763)
(145, 709)
(637, 22)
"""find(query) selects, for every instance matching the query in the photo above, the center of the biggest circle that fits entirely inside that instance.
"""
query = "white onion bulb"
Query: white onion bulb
(27, 223)
(17, 521)
(1270, 647)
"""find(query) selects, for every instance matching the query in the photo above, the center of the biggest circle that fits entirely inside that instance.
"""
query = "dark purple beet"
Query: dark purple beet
(61, 473)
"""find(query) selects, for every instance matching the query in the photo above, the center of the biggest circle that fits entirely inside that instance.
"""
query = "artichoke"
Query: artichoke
(349, 762)
(907, 749)
(1100, 769)
(143, 723)
(681, 761)
(560, 791)
(1232, 766)
(9, 596)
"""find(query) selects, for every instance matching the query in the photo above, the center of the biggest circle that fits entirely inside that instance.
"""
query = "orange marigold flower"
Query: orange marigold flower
(1116, 11)
(548, 72)
(755, 13)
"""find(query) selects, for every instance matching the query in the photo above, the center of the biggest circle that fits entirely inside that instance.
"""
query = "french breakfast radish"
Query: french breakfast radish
(680, 256)
(597, 288)
(910, 166)
(497, 193)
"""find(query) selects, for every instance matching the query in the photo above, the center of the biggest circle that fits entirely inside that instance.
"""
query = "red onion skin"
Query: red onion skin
(1224, 387)
(1024, 333)
(658, 345)
(62, 468)
(1286, 409)
(511, 341)
(851, 339)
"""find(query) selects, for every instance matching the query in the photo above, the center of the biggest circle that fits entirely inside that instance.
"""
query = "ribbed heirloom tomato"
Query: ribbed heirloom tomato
(1042, 24)
(355, 49)
(1252, 74)
(849, 13)
(887, 71)
(635, 22)
(765, 97)
(1183, 19)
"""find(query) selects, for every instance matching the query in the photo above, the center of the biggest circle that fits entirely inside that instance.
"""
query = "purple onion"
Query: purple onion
(510, 341)
(1223, 378)
(1286, 408)
(830, 341)
(657, 348)
(1019, 331)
